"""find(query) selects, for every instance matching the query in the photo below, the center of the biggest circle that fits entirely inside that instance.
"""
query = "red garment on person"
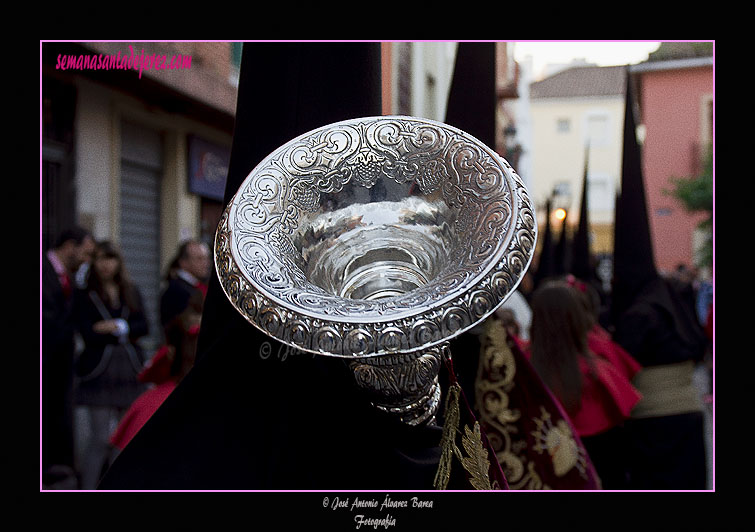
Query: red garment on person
(158, 371)
(139, 413)
(608, 396)
(709, 323)
(599, 341)
(63, 277)
(202, 288)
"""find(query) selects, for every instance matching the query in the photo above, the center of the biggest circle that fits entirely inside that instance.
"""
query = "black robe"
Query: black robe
(57, 370)
(659, 328)
(253, 414)
(175, 299)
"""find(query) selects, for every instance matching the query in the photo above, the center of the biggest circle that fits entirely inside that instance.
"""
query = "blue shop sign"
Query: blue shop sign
(208, 168)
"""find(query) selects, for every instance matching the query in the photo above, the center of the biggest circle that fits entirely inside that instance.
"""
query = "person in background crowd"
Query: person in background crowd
(73, 248)
(517, 308)
(163, 373)
(510, 323)
(703, 286)
(654, 320)
(110, 318)
(189, 272)
(597, 397)
(661, 331)
(181, 308)
(599, 340)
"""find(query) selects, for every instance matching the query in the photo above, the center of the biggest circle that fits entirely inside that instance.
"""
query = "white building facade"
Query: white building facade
(577, 118)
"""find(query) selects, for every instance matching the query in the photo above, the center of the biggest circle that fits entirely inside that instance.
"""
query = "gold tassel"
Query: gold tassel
(448, 441)
(476, 462)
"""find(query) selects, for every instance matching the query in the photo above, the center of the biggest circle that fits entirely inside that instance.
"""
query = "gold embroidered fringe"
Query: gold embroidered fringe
(447, 442)
(476, 462)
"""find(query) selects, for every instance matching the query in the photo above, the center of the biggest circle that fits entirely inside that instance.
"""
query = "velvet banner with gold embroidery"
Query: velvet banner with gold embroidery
(532, 436)
(464, 446)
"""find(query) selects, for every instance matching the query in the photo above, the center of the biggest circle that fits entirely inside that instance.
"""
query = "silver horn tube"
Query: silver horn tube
(377, 240)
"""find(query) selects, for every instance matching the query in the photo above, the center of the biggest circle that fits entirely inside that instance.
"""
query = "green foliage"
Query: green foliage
(696, 194)
(681, 50)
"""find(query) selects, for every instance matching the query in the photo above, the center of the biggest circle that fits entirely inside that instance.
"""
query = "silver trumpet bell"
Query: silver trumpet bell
(377, 240)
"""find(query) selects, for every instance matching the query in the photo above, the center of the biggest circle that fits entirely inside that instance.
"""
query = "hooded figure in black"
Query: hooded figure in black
(253, 414)
(489, 364)
(546, 266)
(471, 108)
(563, 258)
(581, 260)
(655, 322)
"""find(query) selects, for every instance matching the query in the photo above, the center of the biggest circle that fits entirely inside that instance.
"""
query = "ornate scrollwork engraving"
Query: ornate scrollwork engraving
(376, 236)
(404, 384)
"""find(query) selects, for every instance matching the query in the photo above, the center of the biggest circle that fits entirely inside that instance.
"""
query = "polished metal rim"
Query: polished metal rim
(375, 236)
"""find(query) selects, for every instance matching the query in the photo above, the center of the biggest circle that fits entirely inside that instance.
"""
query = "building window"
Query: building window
(597, 130)
(706, 129)
(563, 125)
(562, 188)
(601, 194)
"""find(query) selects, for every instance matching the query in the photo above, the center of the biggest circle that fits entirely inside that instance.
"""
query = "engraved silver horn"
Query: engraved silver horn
(377, 240)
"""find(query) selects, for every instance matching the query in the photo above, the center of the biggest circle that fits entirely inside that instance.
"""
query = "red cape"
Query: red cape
(608, 396)
(601, 344)
(139, 413)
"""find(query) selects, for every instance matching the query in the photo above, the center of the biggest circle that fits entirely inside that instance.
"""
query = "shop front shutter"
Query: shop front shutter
(141, 177)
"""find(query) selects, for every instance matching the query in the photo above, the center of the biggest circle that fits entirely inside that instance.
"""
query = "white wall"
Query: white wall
(432, 70)
(94, 159)
(99, 113)
(559, 156)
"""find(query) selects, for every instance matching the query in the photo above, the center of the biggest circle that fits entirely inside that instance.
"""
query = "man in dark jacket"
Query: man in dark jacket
(73, 248)
(189, 274)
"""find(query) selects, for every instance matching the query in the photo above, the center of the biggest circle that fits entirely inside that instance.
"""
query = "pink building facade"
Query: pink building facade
(676, 110)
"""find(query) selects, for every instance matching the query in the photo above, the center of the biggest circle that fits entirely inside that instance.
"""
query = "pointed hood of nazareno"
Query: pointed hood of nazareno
(472, 98)
(581, 265)
(545, 267)
(654, 317)
(633, 264)
(562, 262)
(471, 107)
